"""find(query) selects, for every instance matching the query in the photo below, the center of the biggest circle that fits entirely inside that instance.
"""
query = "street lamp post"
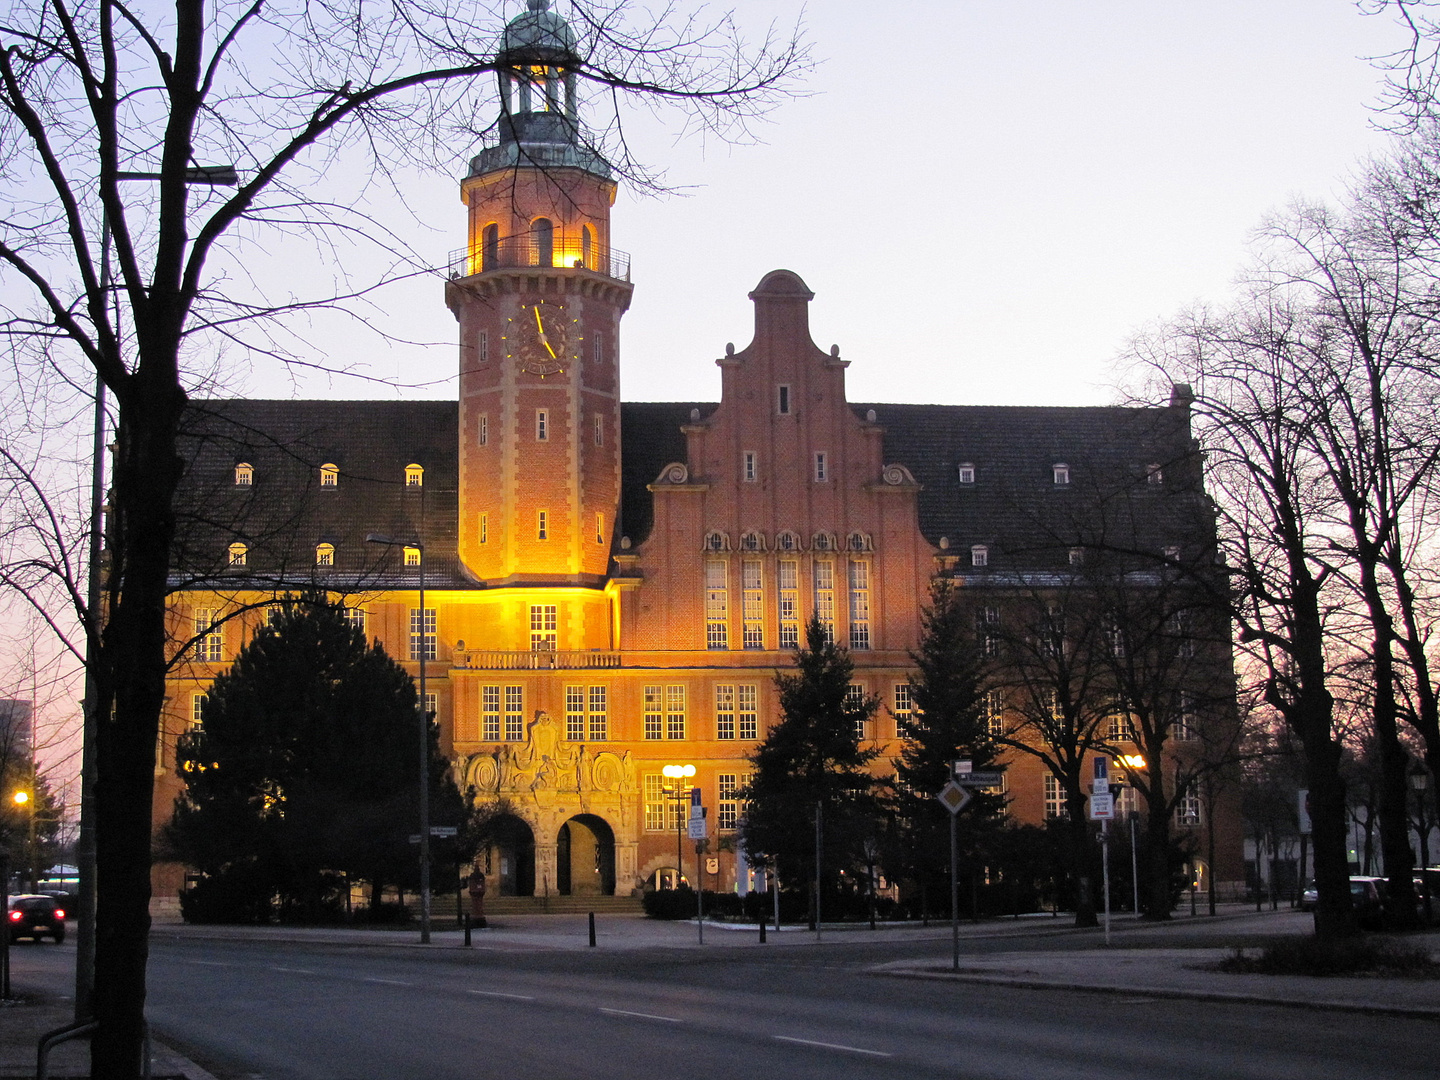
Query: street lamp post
(1133, 762)
(1420, 780)
(22, 799)
(677, 773)
(424, 718)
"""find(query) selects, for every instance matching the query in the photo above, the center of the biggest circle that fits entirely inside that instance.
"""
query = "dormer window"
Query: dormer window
(1154, 474)
(1172, 554)
(1077, 556)
(412, 556)
(329, 476)
(324, 554)
(824, 542)
(859, 542)
(244, 474)
(967, 472)
(787, 541)
(1060, 473)
(979, 555)
(239, 554)
(414, 475)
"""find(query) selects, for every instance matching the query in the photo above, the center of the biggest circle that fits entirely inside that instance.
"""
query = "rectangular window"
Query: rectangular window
(544, 627)
(599, 430)
(662, 808)
(1183, 727)
(727, 812)
(542, 525)
(788, 590)
(752, 602)
(599, 714)
(902, 701)
(484, 431)
(724, 712)
(855, 699)
(514, 713)
(597, 345)
(422, 634)
(979, 555)
(674, 712)
(209, 638)
(751, 470)
(821, 473)
(1054, 798)
(412, 556)
(1060, 473)
(490, 713)
(575, 713)
(716, 634)
(432, 706)
(600, 528)
(484, 350)
(1117, 728)
(748, 715)
(1127, 803)
(987, 630)
(197, 710)
(484, 528)
(542, 425)
(825, 596)
(654, 712)
(967, 473)
(1187, 810)
(783, 401)
(995, 713)
(859, 604)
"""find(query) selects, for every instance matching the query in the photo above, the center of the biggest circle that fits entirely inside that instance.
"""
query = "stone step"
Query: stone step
(444, 906)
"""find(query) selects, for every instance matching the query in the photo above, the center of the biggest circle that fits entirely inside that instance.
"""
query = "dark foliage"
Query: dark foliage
(1349, 956)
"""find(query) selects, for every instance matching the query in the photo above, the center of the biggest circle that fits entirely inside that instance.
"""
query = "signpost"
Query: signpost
(698, 834)
(954, 797)
(1102, 809)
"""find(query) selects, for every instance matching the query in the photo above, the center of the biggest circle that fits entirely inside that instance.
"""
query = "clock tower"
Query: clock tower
(538, 293)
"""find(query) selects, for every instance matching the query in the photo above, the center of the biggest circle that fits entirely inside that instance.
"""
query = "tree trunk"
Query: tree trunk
(1080, 860)
(1157, 854)
(147, 471)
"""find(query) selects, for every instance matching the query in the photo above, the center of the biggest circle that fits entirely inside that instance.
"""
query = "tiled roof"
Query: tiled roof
(1014, 506)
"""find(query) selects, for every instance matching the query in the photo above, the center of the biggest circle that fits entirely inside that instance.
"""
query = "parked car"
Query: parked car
(34, 916)
(1367, 895)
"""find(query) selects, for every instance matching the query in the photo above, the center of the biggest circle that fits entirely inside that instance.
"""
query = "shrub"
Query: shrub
(1309, 955)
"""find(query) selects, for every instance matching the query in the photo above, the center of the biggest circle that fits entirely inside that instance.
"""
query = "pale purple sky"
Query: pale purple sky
(987, 196)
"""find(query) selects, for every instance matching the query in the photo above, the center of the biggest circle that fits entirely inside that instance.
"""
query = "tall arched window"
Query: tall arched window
(544, 233)
(490, 247)
(587, 247)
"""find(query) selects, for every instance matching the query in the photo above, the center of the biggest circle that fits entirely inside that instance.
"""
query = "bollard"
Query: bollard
(762, 924)
(592, 929)
(467, 932)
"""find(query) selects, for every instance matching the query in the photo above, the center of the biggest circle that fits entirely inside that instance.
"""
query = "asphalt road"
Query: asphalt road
(322, 1012)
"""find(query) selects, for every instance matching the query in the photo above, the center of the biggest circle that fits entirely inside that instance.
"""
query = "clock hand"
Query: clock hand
(544, 340)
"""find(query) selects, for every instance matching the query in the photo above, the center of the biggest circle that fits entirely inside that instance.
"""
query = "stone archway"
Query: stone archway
(510, 856)
(585, 857)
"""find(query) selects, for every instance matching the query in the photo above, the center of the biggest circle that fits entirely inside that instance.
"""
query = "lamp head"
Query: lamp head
(21, 798)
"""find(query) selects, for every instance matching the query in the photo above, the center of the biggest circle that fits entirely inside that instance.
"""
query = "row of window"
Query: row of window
(329, 475)
(786, 584)
(786, 540)
(967, 473)
(1187, 810)
(542, 526)
(239, 554)
(667, 802)
(542, 428)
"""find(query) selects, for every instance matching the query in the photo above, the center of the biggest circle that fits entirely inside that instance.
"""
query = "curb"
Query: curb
(1412, 1012)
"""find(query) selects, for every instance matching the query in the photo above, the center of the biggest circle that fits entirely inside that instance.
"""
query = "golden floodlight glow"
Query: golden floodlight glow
(675, 772)
(21, 798)
(1132, 761)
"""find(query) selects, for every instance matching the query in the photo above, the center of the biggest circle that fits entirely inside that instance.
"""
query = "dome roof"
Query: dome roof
(537, 33)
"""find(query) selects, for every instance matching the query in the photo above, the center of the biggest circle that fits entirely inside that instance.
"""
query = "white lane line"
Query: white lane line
(293, 971)
(208, 963)
(643, 1016)
(497, 993)
(833, 1046)
(388, 982)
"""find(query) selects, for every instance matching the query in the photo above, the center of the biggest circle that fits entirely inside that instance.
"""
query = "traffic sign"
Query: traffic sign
(980, 779)
(443, 830)
(697, 828)
(1102, 806)
(954, 797)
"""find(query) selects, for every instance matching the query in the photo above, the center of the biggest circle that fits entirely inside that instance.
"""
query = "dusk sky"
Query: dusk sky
(988, 197)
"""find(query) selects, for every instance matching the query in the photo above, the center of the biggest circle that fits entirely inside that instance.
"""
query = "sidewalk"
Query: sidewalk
(24, 1019)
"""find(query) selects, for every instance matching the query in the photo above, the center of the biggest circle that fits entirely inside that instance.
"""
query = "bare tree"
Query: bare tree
(93, 90)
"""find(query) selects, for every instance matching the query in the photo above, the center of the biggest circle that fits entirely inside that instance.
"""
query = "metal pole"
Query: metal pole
(954, 898)
(699, 891)
(424, 759)
(1134, 864)
(5, 936)
(819, 846)
(1105, 870)
(775, 892)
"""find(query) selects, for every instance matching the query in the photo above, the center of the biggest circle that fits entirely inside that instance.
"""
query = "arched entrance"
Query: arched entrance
(510, 856)
(585, 857)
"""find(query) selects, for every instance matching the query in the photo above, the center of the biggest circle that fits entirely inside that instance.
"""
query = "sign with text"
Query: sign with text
(1102, 806)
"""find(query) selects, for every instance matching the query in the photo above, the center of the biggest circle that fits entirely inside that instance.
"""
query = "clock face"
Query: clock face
(543, 338)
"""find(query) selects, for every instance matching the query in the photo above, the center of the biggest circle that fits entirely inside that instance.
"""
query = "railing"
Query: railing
(538, 660)
(519, 252)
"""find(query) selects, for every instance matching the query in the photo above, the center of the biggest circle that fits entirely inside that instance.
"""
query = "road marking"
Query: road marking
(293, 971)
(833, 1046)
(388, 982)
(643, 1016)
(209, 963)
(497, 993)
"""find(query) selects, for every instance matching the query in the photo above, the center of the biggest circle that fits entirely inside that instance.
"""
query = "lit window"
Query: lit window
(662, 808)
(514, 713)
(665, 712)
(244, 474)
(716, 630)
(1184, 728)
(239, 554)
(412, 556)
(542, 425)
(994, 713)
(599, 714)
(209, 638)
(324, 554)
(747, 699)
(859, 604)
(1187, 809)
(490, 713)
(484, 528)
(654, 712)
(414, 475)
(1117, 728)
(987, 630)
(490, 246)
(902, 700)
(821, 475)
(979, 555)
(432, 706)
(783, 402)
(600, 528)
(197, 710)
(599, 430)
(544, 627)
(575, 713)
(855, 701)
(750, 467)
(484, 433)
(967, 473)
(422, 634)
(674, 712)
(788, 594)
(329, 476)
(727, 812)
(724, 712)
(356, 618)
(1060, 473)
(542, 525)
(752, 601)
(1054, 798)
(493, 722)
(824, 581)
